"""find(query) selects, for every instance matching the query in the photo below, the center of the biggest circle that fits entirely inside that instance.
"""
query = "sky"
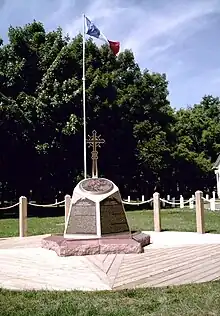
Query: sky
(176, 37)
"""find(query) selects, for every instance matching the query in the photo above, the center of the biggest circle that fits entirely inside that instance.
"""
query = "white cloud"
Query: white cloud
(162, 34)
(102, 13)
(159, 36)
(174, 22)
(138, 26)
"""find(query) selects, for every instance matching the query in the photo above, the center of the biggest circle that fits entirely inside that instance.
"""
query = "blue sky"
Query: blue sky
(178, 37)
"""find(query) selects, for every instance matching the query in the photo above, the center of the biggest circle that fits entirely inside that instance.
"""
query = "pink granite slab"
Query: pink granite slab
(125, 244)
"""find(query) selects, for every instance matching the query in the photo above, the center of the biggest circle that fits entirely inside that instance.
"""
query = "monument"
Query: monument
(96, 220)
(96, 209)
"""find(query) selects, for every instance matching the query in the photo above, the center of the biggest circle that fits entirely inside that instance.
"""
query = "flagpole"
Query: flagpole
(84, 100)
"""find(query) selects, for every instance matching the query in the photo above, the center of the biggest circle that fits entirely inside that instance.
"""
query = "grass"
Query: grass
(171, 219)
(36, 226)
(187, 300)
(174, 220)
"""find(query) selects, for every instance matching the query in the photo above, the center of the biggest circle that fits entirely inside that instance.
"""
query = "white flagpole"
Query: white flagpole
(84, 100)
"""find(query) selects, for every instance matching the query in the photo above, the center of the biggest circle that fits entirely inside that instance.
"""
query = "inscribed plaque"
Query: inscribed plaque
(82, 218)
(112, 216)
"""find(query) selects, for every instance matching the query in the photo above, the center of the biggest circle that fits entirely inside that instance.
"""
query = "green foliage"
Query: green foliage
(41, 126)
(197, 131)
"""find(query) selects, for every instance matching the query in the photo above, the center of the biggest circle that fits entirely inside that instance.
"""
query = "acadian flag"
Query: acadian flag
(92, 30)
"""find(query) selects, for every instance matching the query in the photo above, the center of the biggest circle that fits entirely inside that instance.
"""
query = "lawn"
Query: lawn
(171, 219)
(187, 300)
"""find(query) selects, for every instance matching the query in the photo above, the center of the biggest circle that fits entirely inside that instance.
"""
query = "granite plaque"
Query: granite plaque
(96, 186)
(82, 218)
(112, 216)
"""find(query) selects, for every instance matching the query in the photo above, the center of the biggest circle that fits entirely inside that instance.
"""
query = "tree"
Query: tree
(198, 139)
(149, 146)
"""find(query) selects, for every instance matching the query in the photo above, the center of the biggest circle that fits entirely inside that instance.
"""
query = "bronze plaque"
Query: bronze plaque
(96, 185)
(113, 218)
(82, 219)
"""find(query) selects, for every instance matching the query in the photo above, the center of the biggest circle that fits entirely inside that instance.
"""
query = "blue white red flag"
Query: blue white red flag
(93, 30)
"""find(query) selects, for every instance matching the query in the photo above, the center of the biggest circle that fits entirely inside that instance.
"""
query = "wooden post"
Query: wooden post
(142, 198)
(173, 202)
(22, 216)
(67, 206)
(129, 199)
(212, 204)
(181, 202)
(191, 202)
(157, 221)
(200, 224)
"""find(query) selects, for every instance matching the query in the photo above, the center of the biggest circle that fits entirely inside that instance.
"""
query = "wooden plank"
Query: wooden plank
(187, 276)
(210, 275)
(157, 273)
(93, 269)
(97, 260)
(162, 265)
(108, 262)
(166, 251)
(24, 242)
(169, 253)
(148, 261)
(114, 268)
(66, 274)
(176, 276)
(21, 268)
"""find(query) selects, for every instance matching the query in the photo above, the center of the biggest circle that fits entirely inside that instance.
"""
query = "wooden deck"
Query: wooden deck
(24, 265)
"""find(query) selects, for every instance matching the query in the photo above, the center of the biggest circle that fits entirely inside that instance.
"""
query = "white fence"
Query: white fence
(209, 203)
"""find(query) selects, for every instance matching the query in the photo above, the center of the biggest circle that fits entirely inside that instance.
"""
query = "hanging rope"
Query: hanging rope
(175, 203)
(47, 205)
(8, 207)
(207, 200)
(137, 203)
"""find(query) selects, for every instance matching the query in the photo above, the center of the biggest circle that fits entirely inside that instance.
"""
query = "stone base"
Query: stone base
(111, 244)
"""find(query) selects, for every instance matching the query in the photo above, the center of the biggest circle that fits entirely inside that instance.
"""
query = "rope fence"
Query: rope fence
(8, 207)
(210, 203)
(173, 202)
(61, 203)
(23, 204)
(206, 200)
(197, 201)
(178, 203)
(137, 203)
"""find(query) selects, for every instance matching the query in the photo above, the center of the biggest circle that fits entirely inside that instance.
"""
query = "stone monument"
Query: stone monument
(96, 220)
(96, 210)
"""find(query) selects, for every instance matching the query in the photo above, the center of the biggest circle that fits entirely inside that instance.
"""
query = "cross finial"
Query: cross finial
(95, 141)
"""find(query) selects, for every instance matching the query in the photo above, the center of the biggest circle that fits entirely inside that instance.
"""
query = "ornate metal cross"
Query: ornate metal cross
(95, 141)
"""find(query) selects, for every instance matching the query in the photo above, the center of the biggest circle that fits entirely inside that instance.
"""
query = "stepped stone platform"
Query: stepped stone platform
(126, 243)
